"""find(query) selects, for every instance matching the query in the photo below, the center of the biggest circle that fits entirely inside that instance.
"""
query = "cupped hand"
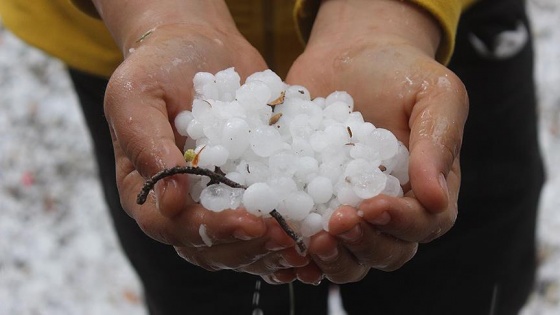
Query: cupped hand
(382, 53)
(152, 85)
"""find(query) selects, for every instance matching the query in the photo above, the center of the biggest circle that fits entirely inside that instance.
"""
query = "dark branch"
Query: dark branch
(214, 177)
(286, 227)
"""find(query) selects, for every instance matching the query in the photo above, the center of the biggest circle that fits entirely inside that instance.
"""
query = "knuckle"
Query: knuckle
(344, 276)
(196, 257)
(395, 262)
(407, 254)
(446, 222)
(157, 232)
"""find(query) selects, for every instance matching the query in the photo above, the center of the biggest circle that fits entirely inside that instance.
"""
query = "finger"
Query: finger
(336, 263)
(282, 276)
(196, 227)
(437, 121)
(310, 274)
(260, 256)
(232, 256)
(274, 261)
(137, 111)
(406, 219)
(368, 245)
(189, 226)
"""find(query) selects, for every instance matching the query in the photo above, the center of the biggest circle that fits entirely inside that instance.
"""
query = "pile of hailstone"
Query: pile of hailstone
(303, 157)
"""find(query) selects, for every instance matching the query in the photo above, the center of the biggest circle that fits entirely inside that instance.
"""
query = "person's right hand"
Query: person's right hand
(165, 44)
(383, 52)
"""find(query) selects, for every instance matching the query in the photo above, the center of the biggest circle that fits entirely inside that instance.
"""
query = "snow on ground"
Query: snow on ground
(546, 27)
(58, 252)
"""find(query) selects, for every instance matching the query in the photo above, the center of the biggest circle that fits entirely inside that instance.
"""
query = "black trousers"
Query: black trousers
(484, 265)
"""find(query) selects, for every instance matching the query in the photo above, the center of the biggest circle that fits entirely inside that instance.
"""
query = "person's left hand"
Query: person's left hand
(388, 66)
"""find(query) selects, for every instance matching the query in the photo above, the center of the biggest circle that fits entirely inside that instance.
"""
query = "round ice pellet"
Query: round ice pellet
(296, 206)
(259, 199)
(272, 80)
(320, 189)
(301, 147)
(337, 111)
(283, 163)
(253, 95)
(195, 130)
(311, 225)
(282, 186)
(200, 79)
(306, 165)
(219, 197)
(182, 121)
(346, 195)
(392, 187)
(368, 184)
(319, 140)
(265, 140)
(236, 177)
(227, 82)
(340, 96)
(235, 137)
(337, 135)
(196, 187)
(255, 171)
(384, 142)
(210, 156)
(298, 91)
(400, 170)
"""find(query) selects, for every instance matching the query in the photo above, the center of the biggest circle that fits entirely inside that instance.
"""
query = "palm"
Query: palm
(144, 95)
(399, 88)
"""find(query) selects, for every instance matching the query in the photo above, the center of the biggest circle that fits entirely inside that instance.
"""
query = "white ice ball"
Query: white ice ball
(259, 199)
(182, 121)
(296, 206)
(219, 197)
(320, 189)
(265, 141)
(311, 225)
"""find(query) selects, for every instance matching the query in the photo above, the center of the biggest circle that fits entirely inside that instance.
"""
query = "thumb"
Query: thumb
(437, 122)
(144, 144)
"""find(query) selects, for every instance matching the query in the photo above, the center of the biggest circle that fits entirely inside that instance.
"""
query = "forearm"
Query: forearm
(445, 13)
(129, 20)
(388, 19)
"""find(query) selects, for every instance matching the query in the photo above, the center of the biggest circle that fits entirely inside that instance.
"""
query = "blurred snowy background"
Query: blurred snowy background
(58, 252)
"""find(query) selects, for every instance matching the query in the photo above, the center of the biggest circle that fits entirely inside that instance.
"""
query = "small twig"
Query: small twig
(151, 182)
(286, 227)
(216, 176)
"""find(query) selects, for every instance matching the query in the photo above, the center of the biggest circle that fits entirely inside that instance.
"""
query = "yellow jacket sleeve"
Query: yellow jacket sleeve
(58, 28)
(446, 12)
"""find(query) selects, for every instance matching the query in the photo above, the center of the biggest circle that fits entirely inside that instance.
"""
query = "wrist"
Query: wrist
(132, 21)
(400, 22)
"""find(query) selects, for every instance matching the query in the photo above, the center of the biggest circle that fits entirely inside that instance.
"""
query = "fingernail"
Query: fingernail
(161, 188)
(443, 184)
(329, 256)
(274, 246)
(284, 263)
(242, 235)
(381, 219)
(353, 235)
(273, 279)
